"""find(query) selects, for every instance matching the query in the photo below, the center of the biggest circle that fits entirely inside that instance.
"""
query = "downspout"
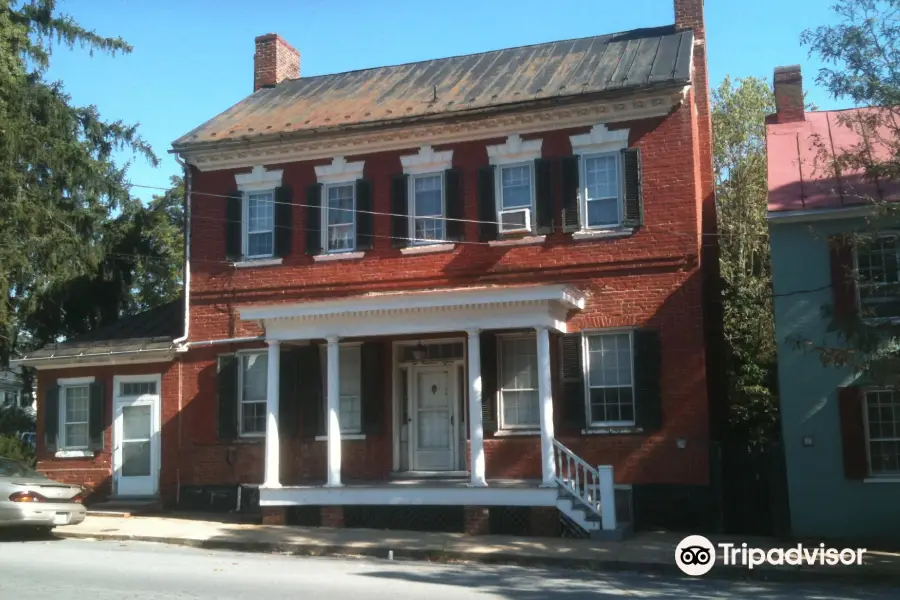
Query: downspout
(187, 251)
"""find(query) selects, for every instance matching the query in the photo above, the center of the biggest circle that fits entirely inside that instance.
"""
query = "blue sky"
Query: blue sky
(193, 59)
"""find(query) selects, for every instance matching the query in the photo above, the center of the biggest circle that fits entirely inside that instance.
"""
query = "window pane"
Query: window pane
(76, 435)
(601, 177)
(515, 189)
(879, 291)
(518, 381)
(350, 414)
(136, 459)
(429, 229)
(255, 369)
(883, 416)
(260, 213)
(135, 388)
(340, 204)
(136, 422)
(612, 404)
(260, 244)
(520, 408)
(340, 237)
(77, 404)
(428, 196)
(349, 370)
(602, 212)
(609, 360)
(253, 417)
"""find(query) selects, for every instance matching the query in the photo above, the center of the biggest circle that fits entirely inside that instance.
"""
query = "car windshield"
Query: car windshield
(14, 468)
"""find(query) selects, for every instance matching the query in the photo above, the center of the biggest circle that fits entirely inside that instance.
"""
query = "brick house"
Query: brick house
(469, 289)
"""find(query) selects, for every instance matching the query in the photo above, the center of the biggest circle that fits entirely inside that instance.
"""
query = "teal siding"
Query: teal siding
(822, 501)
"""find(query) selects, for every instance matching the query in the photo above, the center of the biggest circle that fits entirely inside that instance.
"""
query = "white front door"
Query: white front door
(434, 419)
(136, 439)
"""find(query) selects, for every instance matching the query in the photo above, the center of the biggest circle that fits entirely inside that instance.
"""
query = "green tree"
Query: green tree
(739, 157)
(59, 184)
(861, 53)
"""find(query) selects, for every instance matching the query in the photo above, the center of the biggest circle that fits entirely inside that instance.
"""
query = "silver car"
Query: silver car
(29, 499)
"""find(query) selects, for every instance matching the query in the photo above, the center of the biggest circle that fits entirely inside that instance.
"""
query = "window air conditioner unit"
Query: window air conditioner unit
(516, 220)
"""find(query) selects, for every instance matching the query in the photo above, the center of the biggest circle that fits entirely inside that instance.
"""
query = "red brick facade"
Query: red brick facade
(655, 277)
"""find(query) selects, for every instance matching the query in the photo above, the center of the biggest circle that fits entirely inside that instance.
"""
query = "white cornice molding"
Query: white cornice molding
(426, 161)
(599, 139)
(514, 150)
(259, 179)
(339, 171)
(240, 154)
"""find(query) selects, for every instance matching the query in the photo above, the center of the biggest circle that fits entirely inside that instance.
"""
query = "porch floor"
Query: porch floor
(422, 482)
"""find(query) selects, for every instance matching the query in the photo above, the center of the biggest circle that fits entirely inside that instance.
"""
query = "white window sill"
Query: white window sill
(893, 479)
(74, 454)
(530, 240)
(516, 432)
(344, 436)
(428, 249)
(251, 437)
(258, 262)
(597, 234)
(338, 256)
(612, 430)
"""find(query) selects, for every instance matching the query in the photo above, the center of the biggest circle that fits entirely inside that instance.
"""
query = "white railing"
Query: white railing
(591, 486)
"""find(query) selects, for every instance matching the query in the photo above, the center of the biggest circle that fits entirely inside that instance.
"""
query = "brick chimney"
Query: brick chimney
(275, 60)
(789, 94)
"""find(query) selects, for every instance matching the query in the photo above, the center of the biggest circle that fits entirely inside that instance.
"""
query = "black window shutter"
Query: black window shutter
(853, 432)
(234, 214)
(570, 183)
(489, 368)
(454, 205)
(364, 231)
(96, 416)
(312, 414)
(572, 379)
(283, 220)
(400, 211)
(543, 175)
(288, 396)
(227, 374)
(487, 208)
(647, 371)
(51, 417)
(373, 369)
(634, 203)
(314, 235)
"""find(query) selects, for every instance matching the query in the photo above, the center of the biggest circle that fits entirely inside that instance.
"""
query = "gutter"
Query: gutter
(184, 347)
(187, 251)
(26, 360)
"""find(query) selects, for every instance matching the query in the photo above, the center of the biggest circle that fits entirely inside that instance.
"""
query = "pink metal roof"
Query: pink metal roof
(801, 169)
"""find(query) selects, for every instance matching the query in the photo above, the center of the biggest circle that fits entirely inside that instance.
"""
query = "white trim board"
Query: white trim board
(426, 161)
(405, 496)
(340, 171)
(258, 180)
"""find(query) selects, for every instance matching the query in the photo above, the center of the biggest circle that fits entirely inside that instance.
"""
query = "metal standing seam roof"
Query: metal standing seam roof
(149, 330)
(633, 60)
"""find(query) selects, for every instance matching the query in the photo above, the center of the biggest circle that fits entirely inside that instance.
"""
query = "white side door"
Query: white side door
(136, 435)
(434, 422)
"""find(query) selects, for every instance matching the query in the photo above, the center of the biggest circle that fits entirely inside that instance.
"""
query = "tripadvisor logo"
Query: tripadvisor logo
(695, 555)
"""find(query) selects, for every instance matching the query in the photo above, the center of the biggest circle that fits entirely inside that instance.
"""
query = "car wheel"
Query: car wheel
(43, 531)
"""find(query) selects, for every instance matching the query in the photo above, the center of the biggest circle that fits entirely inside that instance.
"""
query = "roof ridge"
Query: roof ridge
(658, 29)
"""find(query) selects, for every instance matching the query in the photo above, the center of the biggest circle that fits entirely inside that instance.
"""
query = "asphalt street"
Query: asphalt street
(101, 570)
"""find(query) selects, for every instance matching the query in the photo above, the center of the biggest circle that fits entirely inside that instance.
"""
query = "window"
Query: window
(252, 389)
(137, 388)
(516, 197)
(518, 382)
(75, 403)
(339, 215)
(349, 374)
(883, 432)
(428, 208)
(879, 277)
(259, 215)
(602, 190)
(610, 379)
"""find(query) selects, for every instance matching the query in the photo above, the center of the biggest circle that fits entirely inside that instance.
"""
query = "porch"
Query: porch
(435, 354)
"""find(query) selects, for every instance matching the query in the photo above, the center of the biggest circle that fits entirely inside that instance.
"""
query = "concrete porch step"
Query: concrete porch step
(124, 506)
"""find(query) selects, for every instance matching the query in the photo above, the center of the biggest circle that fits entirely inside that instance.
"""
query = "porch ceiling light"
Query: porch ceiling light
(419, 352)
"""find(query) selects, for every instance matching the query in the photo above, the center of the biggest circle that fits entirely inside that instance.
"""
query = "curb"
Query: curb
(867, 576)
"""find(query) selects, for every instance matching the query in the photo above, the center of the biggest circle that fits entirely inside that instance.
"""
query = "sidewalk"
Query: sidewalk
(644, 552)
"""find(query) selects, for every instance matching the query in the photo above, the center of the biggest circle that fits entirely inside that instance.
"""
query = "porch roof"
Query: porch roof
(438, 310)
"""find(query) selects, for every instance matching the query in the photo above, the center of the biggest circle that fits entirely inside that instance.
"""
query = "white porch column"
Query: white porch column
(476, 429)
(545, 395)
(334, 411)
(273, 448)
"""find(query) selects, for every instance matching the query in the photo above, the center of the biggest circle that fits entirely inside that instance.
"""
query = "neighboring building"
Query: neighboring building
(429, 295)
(841, 434)
(12, 389)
